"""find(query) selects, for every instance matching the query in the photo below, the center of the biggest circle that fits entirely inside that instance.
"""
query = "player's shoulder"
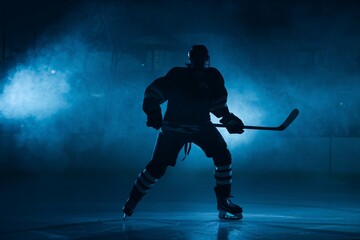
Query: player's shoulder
(178, 69)
(214, 70)
(176, 72)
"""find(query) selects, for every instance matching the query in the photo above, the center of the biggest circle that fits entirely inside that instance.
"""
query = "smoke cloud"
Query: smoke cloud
(75, 101)
(36, 93)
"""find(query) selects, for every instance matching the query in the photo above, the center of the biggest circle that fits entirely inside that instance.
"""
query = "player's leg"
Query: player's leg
(165, 154)
(214, 146)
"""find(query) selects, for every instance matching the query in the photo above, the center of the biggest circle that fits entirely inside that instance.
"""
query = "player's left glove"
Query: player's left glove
(233, 124)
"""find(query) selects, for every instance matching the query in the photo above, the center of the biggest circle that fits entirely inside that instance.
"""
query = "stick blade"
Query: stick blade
(292, 116)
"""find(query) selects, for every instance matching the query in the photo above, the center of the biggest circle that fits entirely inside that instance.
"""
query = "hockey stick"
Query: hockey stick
(294, 113)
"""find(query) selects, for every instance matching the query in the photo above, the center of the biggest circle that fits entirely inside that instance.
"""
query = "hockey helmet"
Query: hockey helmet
(199, 55)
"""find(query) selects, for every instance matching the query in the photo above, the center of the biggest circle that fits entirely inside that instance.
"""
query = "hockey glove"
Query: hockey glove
(233, 124)
(154, 119)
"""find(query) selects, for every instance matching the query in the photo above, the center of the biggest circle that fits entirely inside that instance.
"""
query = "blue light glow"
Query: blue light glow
(77, 98)
(34, 93)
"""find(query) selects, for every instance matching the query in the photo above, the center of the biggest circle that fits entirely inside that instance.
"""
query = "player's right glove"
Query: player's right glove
(233, 124)
(154, 119)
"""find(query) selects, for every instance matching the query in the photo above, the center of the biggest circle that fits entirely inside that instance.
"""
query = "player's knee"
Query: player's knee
(156, 169)
(222, 158)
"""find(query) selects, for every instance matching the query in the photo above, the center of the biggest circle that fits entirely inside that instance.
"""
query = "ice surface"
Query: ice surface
(89, 207)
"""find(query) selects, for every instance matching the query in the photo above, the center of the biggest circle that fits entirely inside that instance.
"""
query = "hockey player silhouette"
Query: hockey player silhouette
(192, 92)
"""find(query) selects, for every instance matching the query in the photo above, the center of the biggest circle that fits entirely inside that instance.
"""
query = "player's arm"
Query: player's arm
(155, 95)
(220, 109)
(219, 97)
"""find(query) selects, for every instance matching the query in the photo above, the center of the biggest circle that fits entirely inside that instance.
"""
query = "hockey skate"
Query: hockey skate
(227, 209)
(129, 207)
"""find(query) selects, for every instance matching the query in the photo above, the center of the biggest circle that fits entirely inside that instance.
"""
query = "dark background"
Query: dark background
(72, 76)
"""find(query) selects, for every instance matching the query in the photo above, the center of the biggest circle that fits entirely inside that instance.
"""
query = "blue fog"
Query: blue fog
(75, 102)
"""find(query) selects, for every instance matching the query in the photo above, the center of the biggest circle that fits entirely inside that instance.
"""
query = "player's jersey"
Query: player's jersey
(191, 94)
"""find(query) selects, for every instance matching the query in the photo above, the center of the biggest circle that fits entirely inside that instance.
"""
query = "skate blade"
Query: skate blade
(124, 217)
(229, 216)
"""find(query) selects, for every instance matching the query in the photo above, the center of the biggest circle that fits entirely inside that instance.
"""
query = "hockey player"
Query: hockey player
(192, 92)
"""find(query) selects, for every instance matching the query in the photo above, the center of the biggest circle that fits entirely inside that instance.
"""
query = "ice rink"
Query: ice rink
(87, 205)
